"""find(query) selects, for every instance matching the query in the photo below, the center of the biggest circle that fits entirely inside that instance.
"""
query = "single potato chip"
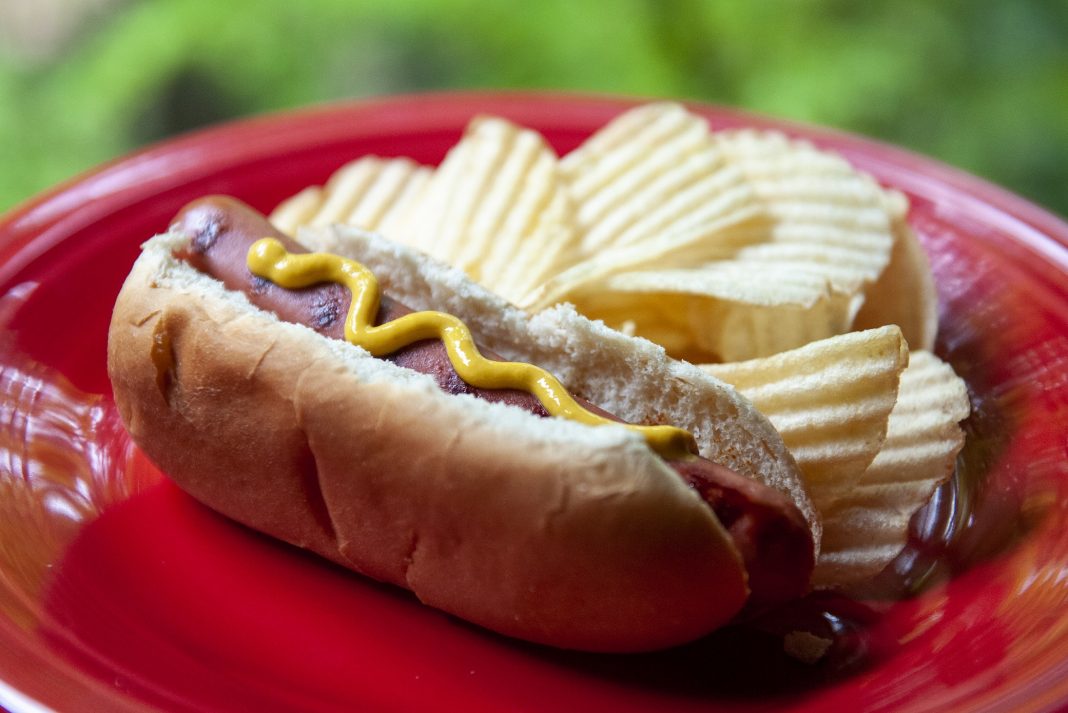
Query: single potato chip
(868, 527)
(498, 208)
(371, 193)
(834, 218)
(905, 293)
(719, 312)
(830, 401)
(654, 179)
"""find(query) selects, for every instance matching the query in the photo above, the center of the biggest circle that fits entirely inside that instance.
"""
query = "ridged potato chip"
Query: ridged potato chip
(832, 218)
(654, 178)
(372, 193)
(652, 190)
(867, 528)
(497, 208)
(905, 293)
(675, 309)
(830, 401)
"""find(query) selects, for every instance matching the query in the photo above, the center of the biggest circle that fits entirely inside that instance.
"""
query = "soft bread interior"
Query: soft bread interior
(630, 377)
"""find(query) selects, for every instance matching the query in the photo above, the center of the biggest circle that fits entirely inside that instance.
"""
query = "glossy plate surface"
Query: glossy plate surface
(118, 592)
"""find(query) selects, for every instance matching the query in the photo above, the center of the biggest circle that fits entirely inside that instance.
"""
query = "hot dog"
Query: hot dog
(619, 552)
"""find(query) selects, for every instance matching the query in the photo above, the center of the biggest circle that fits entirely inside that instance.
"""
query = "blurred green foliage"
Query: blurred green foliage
(982, 84)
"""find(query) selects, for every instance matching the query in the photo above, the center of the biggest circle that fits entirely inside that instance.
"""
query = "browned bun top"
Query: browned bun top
(542, 529)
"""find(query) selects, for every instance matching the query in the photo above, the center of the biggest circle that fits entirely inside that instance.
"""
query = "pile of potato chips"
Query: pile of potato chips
(775, 265)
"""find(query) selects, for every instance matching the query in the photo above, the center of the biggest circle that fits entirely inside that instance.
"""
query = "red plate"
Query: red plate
(118, 592)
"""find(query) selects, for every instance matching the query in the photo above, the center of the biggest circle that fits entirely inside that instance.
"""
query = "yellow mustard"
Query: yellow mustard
(268, 259)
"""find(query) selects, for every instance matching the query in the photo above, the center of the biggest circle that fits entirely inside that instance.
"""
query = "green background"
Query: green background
(981, 84)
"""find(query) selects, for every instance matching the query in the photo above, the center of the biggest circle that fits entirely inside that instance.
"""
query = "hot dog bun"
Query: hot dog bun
(542, 529)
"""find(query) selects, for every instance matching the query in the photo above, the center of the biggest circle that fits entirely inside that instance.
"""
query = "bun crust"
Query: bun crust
(537, 528)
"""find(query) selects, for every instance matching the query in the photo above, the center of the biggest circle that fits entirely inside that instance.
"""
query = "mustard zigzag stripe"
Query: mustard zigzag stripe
(268, 259)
